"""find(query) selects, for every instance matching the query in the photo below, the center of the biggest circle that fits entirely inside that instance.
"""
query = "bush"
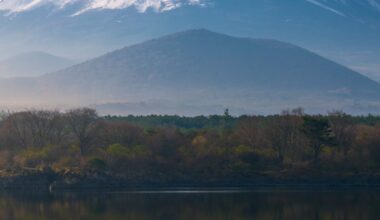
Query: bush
(96, 164)
(117, 150)
(67, 163)
(36, 157)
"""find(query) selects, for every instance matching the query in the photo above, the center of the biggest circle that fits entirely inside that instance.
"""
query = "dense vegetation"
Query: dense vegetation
(186, 150)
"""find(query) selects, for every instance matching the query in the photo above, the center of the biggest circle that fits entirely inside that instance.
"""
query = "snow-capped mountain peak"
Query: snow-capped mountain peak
(339, 7)
(17, 6)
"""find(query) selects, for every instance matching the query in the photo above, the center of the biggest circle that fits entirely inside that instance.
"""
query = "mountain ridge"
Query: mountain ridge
(32, 64)
(351, 40)
(196, 36)
(204, 68)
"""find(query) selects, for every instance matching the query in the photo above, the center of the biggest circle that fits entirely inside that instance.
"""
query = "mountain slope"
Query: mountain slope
(205, 58)
(351, 39)
(32, 64)
(203, 68)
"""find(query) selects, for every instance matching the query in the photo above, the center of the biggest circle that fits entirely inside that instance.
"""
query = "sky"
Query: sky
(347, 31)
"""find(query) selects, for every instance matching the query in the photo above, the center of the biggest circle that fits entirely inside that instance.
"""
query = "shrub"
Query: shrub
(96, 164)
(36, 157)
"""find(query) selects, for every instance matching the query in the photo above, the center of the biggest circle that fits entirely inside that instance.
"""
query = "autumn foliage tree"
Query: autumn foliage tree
(200, 149)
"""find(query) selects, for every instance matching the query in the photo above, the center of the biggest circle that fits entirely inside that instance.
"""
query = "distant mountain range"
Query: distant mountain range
(199, 72)
(32, 64)
(346, 31)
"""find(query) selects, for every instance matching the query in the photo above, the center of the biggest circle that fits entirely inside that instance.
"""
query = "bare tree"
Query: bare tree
(344, 130)
(82, 122)
(249, 130)
(34, 128)
(16, 130)
(282, 132)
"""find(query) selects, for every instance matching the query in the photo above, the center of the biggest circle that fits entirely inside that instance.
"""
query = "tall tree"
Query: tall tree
(344, 130)
(319, 133)
(81, 123)
(282, 132)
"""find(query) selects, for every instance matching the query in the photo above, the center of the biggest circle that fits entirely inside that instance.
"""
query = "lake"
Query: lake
(195, 204)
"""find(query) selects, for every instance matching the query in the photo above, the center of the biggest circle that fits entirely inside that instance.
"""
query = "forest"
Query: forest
(205, 150)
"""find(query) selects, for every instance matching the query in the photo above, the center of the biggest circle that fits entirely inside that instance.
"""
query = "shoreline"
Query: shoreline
(56, 182)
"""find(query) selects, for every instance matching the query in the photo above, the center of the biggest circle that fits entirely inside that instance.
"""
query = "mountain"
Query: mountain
(32, 64)
(339, 7)
(346, 31)
(198, 69)
(17, 6)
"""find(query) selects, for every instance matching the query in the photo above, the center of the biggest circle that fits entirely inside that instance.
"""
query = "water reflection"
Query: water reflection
(189, 205)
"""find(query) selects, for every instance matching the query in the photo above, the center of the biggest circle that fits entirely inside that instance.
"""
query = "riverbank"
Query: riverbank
(56, 181)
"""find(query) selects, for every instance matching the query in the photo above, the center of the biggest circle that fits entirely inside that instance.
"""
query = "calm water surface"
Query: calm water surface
(195, 205)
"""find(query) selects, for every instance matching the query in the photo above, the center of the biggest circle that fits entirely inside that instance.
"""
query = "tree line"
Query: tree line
(172, 148)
